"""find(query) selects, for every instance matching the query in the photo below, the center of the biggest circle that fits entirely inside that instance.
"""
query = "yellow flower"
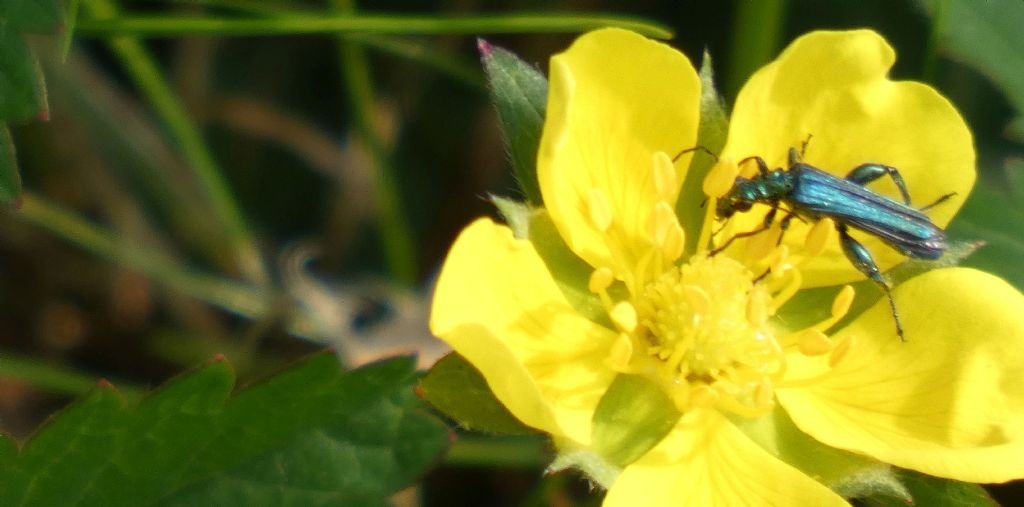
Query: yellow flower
(551, 334)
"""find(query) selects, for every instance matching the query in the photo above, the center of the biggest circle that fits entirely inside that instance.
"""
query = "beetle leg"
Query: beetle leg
(762, 166)
(939, 201)
(797, 156)
(866, 173)
(784, 225)
(861, 258)
(768, 219)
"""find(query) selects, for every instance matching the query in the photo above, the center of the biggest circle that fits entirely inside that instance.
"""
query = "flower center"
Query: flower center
(701, 330)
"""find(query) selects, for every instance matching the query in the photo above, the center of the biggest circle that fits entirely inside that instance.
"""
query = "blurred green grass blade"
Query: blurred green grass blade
(175, 26)
(458, 390)
(396, 234)
(986, 36)
(991, 217)
(291, 440)
(147, 76)
(41, 375)
(520, 95)
(755, 39)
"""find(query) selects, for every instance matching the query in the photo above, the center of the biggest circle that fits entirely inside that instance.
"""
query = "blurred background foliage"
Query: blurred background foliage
(261, 192)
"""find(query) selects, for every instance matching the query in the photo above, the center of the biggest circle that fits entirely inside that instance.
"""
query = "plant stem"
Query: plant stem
(508, 452)
(174, 26)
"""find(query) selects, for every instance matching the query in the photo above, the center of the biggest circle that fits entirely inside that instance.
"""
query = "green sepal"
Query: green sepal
(516, 214)
(632, 417)
(571, 273)
(520, 95)
(933, 492)
(10, 179)
(849, 474)
(991, 216)
(455, 388)
(711, 134)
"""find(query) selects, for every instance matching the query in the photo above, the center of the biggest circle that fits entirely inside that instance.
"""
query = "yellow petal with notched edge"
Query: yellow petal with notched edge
(708, 461)
(949, 402)
(615, 99)
(834, 87)
(497, 306)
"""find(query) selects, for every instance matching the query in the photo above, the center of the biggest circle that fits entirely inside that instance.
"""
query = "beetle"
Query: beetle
(805, 192)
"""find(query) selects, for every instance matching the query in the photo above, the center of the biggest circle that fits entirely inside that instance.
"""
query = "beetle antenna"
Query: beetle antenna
(695, 148)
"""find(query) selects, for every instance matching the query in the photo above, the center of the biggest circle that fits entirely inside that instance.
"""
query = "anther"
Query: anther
(812, 342)
(720, 178)
(624, 316)
(600, 280)
(703, 396)
(620, 354)
(675, 241)
(841, 304)
(600, 209)
(664, 172)
(764, 395)
(840, 351)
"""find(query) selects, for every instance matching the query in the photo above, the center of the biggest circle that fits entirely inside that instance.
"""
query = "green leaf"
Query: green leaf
(22, 95)
(711, 135)
(458, 390)
(520, 95)
(31, 16)
(986, 36)
(10, 181)
(632, 417)
(849, 474)
(293, 440)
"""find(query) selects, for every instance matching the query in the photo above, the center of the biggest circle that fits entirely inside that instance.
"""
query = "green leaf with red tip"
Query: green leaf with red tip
(520, 94)
(457, 389)
(296, 438)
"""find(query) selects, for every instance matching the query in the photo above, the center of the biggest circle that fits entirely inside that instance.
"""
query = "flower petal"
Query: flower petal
(708, 461)
(498, 307)
(949, 401)
(833, 86)
(615, 100)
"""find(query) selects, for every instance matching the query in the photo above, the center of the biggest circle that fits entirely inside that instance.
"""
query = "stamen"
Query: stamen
(661, 220)
(624, 316)
(812, 342)
(720, 178)
(665, 181)
(600, 209)
(840, 352)
(620, 354)
(600, 279)
(703, 396)
(675, 241)
(818, 237)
